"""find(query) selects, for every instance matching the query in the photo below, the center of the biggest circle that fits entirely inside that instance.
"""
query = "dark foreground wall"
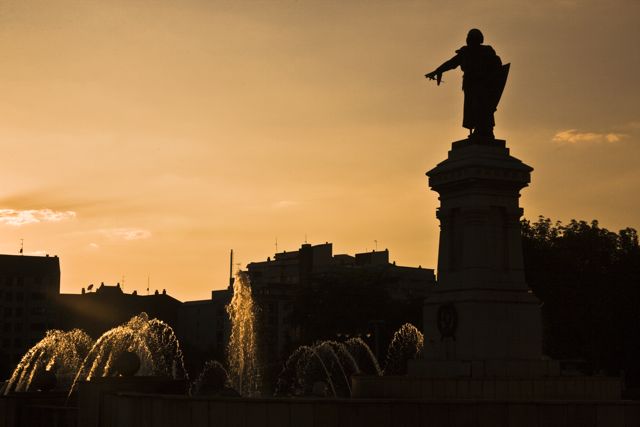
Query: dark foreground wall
(129, 410)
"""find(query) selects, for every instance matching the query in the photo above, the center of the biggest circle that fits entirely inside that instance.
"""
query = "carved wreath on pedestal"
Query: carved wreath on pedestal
(447, 321)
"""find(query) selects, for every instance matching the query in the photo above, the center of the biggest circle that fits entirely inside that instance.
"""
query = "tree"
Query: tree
(589, 281)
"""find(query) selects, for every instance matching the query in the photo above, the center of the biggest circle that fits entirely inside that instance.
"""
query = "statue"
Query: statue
(483, 82)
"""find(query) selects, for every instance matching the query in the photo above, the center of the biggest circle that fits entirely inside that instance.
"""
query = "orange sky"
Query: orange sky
(149, 137)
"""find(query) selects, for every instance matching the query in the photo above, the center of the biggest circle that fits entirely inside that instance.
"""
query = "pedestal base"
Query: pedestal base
(482, 324)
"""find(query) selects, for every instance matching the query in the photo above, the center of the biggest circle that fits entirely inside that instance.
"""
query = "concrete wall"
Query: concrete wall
(129, 410)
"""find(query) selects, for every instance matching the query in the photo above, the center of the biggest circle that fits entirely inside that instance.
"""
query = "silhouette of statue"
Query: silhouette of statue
(483, 81)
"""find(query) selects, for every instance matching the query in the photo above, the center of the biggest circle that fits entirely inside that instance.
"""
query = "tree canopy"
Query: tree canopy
(588, 279)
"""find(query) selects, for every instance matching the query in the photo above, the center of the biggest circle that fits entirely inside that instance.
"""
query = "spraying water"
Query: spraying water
(59, 352)
(153, 341)
(212, 379)
(241, 351)
(364, 357)
(329, 362)
(333, 363)
(407, 343)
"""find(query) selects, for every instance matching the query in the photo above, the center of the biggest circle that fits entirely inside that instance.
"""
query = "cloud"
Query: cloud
(633, 125)
(126, 233)
(93, 246)
(19, 217)
(573, 136)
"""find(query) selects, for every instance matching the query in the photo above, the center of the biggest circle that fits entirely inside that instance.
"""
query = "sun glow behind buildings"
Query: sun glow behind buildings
(145, 136)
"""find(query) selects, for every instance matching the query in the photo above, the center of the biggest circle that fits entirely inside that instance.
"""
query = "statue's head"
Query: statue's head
(474, 37)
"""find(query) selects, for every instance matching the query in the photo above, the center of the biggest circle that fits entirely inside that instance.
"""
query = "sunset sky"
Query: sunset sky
(145, 137)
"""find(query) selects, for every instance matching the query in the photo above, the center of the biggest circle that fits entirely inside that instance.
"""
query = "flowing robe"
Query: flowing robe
(481, 67)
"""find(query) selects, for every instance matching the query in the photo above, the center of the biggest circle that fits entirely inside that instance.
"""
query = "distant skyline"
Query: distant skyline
(148, 138)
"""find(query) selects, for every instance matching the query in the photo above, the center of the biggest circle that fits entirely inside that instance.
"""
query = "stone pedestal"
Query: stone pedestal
(482, 324)
(481, 309)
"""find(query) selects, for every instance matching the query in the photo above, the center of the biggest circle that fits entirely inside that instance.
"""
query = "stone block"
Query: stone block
(462, 388)
(349, 414)
(145, 409)
(374, 414)
(236, 413)
(527, 389)
(462, 415)
(492, 414)
(157, 412)
(255, 414)
(489, 389)
(522, 415)
(120, 410)
(451, 388)
(439, 388)
(435, 414)
(550, 389)
(177, 410)
(552, 415)
(502, 389)
(218, 413)
(581, 415)
(405, 414)
(632, 415)
(514, 387)
(199, 413)
(610, 415)
(325, 414)
(278, 415)
(475, 389)
(301, 414)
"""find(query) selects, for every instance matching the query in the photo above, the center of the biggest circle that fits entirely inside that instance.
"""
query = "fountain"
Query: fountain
(153, 341)
(364, 357)
(212, 381)
(241, 351)
(59, 353)
(333, 363)
(407, 344)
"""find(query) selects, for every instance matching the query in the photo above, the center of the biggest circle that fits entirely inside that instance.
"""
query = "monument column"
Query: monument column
(481, 308)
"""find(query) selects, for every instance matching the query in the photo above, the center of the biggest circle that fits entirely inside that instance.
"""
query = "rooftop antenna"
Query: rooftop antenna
(148, 281)
(276, 245)
(376, 242)
(122, 283)
(231, 279)
(305, 237)
(21, 246)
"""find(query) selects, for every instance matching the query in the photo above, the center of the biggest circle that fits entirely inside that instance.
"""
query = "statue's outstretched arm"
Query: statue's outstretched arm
(448, 65)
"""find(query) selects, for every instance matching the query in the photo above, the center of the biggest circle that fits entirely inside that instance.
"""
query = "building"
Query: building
(290, 288)
(28, 288)
(203, 327)
(107, 307)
